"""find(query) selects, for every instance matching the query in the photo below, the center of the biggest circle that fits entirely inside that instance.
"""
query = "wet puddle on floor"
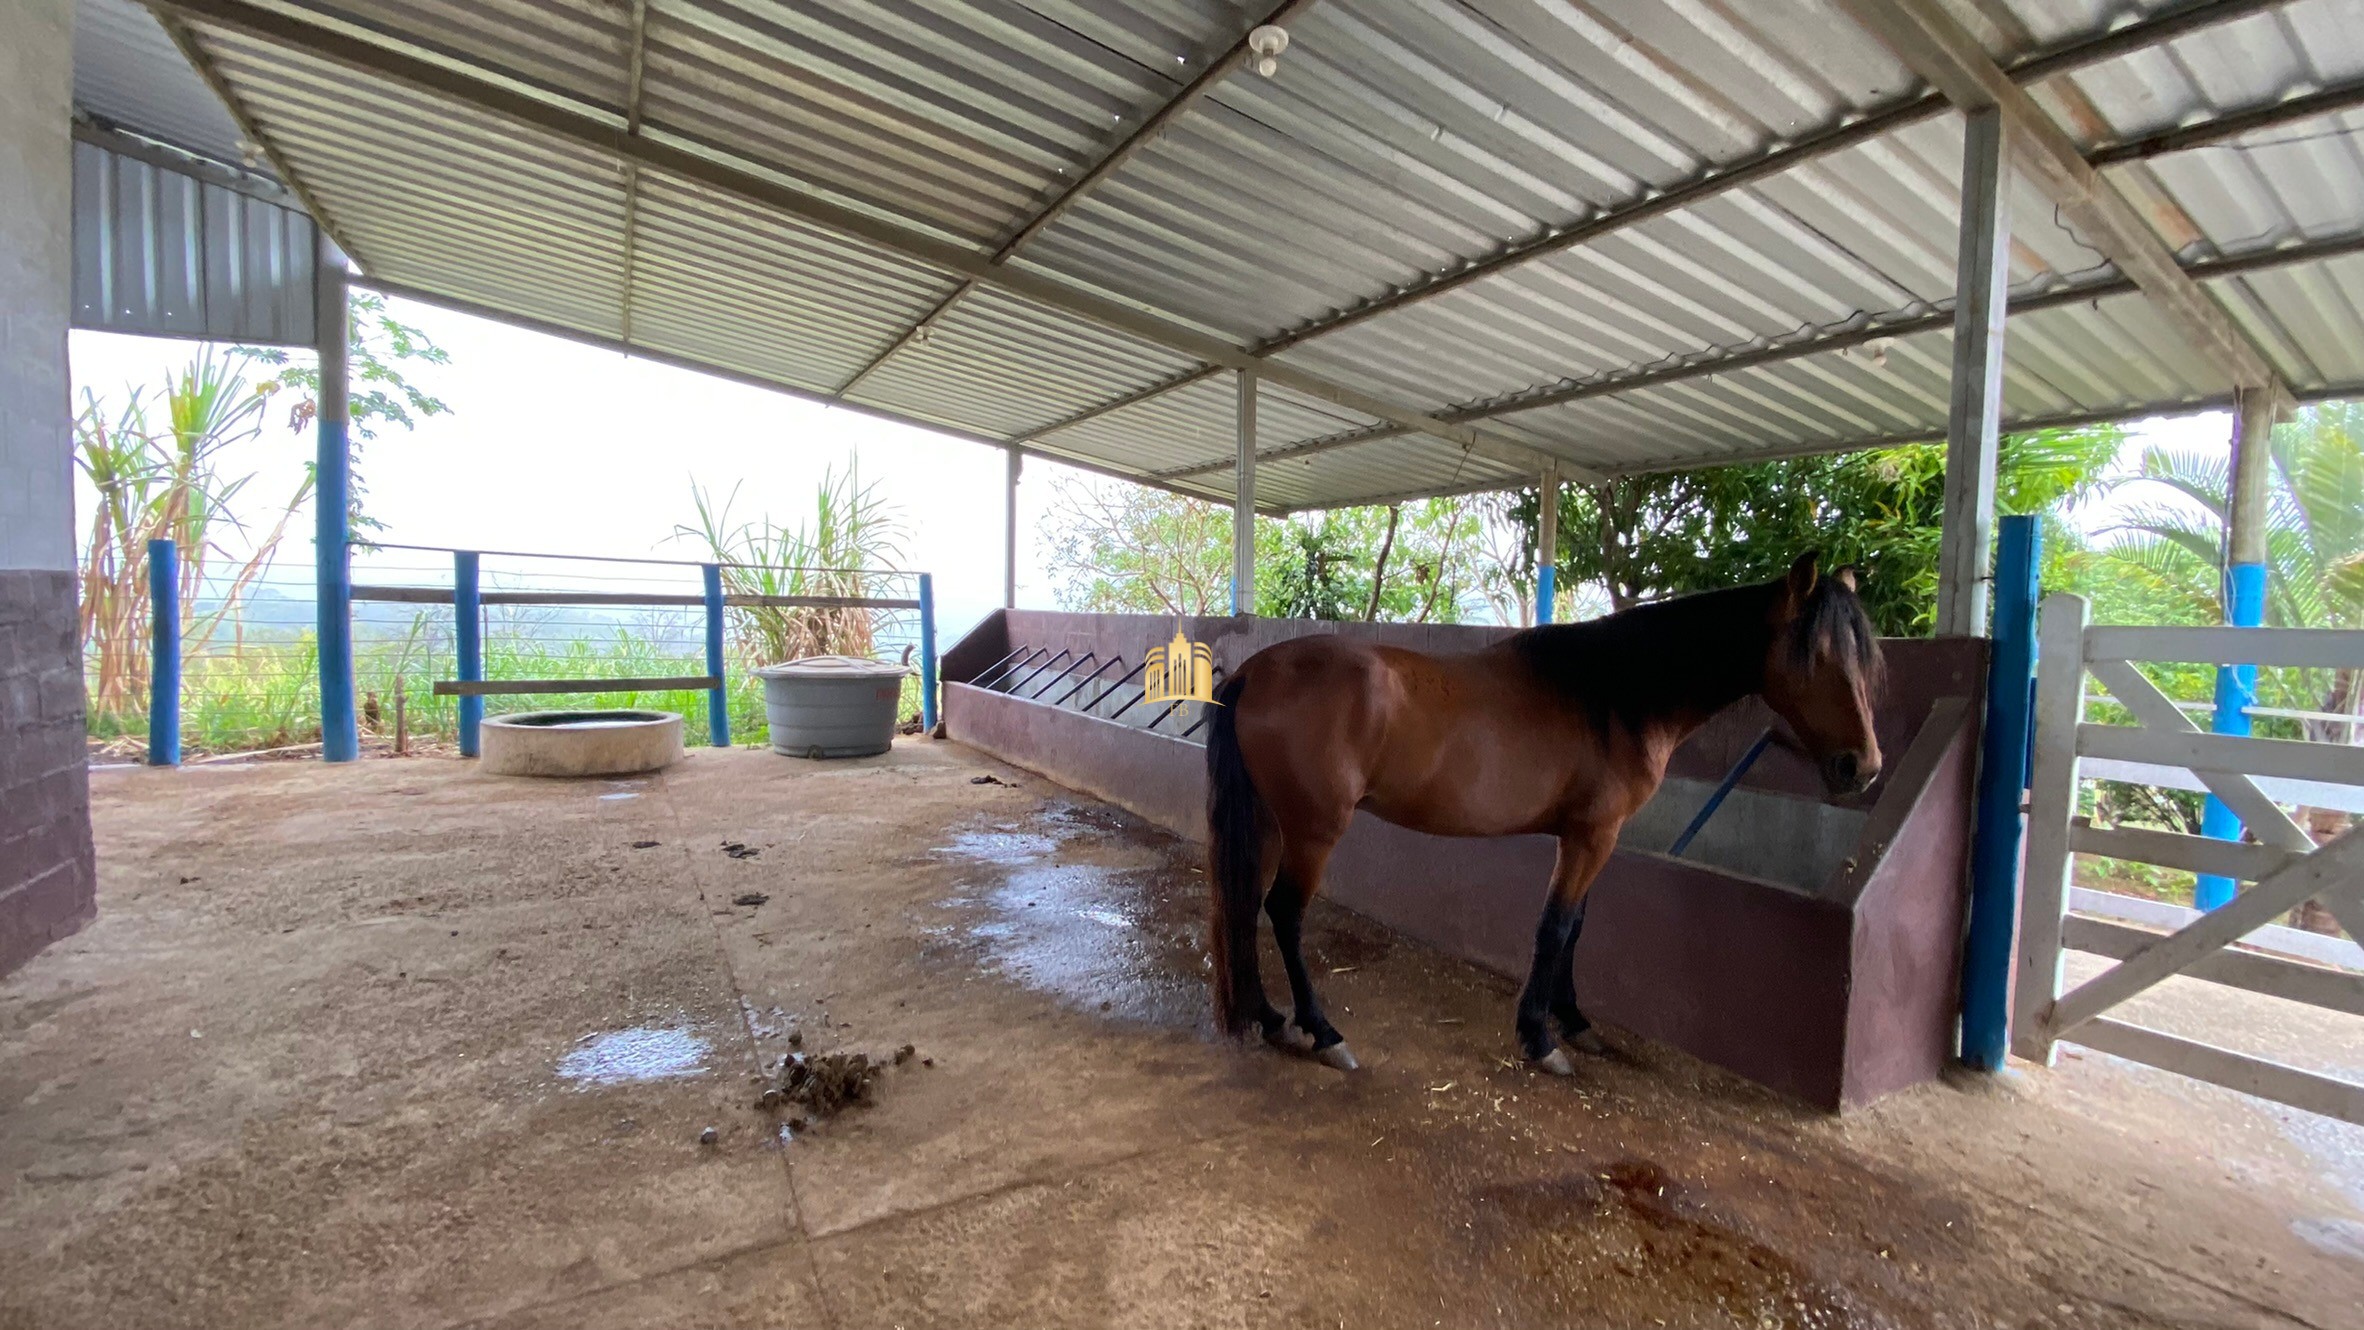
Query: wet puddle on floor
(643, 1053)
(1085, 911)
(1631, 1243)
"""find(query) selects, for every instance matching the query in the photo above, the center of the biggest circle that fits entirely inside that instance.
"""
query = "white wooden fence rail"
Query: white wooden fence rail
(2285, 866)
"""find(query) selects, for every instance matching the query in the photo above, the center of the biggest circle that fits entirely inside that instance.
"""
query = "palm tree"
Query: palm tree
(2172, 548)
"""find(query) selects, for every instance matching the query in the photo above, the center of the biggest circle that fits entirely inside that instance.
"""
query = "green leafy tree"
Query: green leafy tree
(1644, 537)
(1128, 548)
(379, 394)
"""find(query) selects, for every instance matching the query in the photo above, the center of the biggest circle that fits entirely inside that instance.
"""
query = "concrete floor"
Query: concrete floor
(331, 1056)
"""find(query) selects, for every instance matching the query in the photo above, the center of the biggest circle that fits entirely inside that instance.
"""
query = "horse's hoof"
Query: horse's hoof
(1554, 1063)
(1289, 1039)
(1585, 1041)
(1338, 1056)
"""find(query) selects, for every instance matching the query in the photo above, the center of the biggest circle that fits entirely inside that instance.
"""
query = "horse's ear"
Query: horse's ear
(1802, 575)
(1845, 577)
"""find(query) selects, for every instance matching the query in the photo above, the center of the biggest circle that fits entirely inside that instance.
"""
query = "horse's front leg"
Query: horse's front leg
(1575, 1031)
(1582, 852)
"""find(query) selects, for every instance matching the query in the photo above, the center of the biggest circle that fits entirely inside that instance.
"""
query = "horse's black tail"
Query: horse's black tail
(1235, 868)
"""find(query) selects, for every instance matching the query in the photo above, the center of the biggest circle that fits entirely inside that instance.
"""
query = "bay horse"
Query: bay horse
(1563, 730)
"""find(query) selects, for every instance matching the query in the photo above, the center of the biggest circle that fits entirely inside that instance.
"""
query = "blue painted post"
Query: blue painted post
(340, 730)
(2002, 776)
(1547, 545)
(467, 615)
(164, 655)
(718, 706)
(2236, 692)
(927, 653)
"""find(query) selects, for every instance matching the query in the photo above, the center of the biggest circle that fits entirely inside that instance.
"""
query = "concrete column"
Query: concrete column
(1009, 532)
(1547, 547)
(1243, 511)
(47, 883)
(1982, 278)
(2244, 603)
(332, 495)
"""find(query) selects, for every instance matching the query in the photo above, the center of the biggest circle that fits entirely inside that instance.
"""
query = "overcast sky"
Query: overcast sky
(558, 447)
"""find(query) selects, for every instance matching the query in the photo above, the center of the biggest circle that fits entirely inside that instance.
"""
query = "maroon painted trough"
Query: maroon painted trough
(1809, 944)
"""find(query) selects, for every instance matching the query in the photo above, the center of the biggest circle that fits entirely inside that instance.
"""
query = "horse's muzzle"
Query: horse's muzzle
(1848, 773)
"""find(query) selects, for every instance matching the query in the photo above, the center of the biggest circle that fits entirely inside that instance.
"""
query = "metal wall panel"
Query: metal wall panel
(163, 254)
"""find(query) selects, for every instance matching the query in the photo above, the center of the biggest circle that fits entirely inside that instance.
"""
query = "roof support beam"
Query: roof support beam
(1125, 150)
(600, 133)
(186, 42)
(1974, 416)
(1243, 507)
(1733, 362)
(1934, 45)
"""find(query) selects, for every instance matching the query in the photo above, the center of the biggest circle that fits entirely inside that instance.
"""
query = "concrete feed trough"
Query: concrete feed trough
(581, 743)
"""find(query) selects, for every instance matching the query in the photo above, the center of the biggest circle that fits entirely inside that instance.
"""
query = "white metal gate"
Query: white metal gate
(2285, 866)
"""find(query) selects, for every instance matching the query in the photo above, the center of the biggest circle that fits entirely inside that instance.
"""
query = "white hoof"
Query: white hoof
(1290, 1039)
(1554, 1063)
(1339, 1056)
(1587, 1041)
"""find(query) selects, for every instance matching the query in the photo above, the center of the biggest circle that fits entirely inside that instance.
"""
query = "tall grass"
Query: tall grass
(853, 533)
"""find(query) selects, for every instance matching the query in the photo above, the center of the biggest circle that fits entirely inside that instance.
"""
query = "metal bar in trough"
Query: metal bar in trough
(1722, 791)
(697, 683)
(1085, 682)
(1054, 681)
(1110, 691)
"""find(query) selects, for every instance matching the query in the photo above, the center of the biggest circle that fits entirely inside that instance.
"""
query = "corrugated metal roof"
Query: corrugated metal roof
(1492, 145)
(127, 72)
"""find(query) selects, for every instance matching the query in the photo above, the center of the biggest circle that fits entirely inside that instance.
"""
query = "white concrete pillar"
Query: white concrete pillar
(47, 882)
(1243, 512)
(1982, 279)
(1009, 532)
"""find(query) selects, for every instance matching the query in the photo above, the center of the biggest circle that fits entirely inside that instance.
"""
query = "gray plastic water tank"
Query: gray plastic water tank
(832, 706)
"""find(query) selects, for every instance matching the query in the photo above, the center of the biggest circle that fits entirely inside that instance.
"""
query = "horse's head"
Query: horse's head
(1823, 670)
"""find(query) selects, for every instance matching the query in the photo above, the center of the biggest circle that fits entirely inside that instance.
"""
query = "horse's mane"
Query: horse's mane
(1694, 653)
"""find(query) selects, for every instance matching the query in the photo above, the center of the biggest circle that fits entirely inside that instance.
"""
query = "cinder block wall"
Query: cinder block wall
(47, 884)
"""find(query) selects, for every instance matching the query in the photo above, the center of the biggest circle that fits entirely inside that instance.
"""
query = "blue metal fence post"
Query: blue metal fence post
(467, 613)
(332, 496)
(1545, 592)
(2002, 778)
(927, 653)
(718, 706)
(164, 655)
(2236, 692)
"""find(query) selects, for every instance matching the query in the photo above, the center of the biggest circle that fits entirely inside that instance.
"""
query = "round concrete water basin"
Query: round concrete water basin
(580, 743)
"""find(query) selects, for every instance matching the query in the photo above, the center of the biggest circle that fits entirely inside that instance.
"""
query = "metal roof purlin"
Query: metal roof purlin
(635, 70)
(1733, 361)
(1126, 148)
(1933, 44)
(2174, 23)
(186, 43)
(320, 41)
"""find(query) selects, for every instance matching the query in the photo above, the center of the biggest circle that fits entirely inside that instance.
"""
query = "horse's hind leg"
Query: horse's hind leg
(1300, 877)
